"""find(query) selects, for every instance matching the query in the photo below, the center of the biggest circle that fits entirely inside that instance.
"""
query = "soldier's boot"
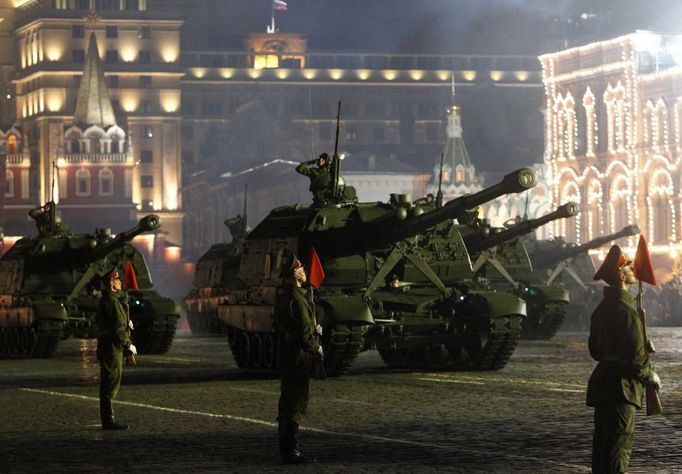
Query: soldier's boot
(290, 452)
(282, 439)
(106, 414)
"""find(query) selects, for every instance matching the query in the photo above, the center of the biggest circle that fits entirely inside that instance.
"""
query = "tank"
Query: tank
(364, 248)
(49, 288)
(501, 260)
(560, 263)
(215, 272)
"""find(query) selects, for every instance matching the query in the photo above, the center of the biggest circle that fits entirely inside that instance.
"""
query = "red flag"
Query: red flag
(279, 5)
(643, 268)
(316, 276)
(129, 278)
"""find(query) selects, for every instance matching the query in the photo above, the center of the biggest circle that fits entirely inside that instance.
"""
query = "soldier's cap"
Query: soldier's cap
(293, 264)
(614, 261)
(113, 275)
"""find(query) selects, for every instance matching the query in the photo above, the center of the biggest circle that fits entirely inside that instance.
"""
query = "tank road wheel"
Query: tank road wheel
(13, 339)
(545, 325)
(168, 337)
(3, 342)
(269, 354)
(243, 353)
(492, 348)
(256, 350)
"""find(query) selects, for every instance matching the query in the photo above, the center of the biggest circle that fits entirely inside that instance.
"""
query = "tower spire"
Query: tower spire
(93, 105)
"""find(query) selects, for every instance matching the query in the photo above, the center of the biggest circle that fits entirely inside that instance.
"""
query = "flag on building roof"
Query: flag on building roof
(279, 5)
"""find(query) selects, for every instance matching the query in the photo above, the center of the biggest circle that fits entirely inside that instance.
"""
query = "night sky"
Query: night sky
(444, 26)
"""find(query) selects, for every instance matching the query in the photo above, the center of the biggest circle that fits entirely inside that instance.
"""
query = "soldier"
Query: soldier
(113, 342)
(298, 347)
(616, 386)
(320, 177)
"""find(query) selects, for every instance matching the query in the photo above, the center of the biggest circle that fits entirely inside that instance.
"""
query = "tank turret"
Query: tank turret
(476, 243)
(52, 281)
(551, 256)
(399, 224)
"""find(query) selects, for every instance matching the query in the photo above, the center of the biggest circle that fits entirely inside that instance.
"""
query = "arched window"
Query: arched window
(115, 146)
(82, 182)
(9, 177)
(75, 146)
(12, 144)
(106, 182)
(594, 209)
(661, 207)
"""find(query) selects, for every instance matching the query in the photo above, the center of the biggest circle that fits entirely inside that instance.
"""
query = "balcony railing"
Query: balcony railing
(96, 157)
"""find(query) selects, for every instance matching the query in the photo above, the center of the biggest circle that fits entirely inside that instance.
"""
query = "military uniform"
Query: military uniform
(297, 347)
(320, 179)
(113, 341)
(616, 386)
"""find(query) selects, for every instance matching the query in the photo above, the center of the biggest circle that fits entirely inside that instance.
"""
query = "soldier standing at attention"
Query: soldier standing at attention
(298, 346)
(113, 342)
(616, 386)
(320, 177)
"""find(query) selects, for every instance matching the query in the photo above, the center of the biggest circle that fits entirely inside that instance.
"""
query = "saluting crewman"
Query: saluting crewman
(113, 343)
(298, 348)
(319, 172)
(616, 386)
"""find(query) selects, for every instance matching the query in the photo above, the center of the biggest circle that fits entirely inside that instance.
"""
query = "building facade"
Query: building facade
(103, 172)
(613, 135)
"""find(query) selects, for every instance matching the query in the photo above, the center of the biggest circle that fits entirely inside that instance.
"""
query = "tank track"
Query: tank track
(257, 351)
(545, 325)
(497, 347)
(204, 324)
(29, 342)
(156, 338)
(476, 350)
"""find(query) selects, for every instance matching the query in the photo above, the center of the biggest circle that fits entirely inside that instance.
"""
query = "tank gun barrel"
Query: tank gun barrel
(476, 243)
(551, 257)
(396, 226)
(147, 223)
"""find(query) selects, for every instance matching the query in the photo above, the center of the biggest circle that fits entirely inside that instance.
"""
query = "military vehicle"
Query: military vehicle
(364, 248)
(557, 262)
(215, 272)
(500, 258)
(49, 288)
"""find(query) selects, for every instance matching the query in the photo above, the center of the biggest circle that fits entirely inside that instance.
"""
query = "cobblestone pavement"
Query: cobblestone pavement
(192, 410)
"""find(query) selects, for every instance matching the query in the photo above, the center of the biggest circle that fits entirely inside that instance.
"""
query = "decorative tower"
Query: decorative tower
(459, 175)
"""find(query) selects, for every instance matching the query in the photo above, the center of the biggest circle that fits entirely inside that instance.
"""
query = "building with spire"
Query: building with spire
(458, 174)
(95, 122)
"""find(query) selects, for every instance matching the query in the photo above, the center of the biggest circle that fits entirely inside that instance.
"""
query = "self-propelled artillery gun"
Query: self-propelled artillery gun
(392, 271)
(49, 288)
(501, 260)
(568, 265)
(216, 271)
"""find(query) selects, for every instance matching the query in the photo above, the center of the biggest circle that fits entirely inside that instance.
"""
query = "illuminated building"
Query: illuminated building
(114, 165)
(613, 131)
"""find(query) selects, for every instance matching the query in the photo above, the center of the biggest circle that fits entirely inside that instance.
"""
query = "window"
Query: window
(379, 134)
(9, 183)
(187, 132)
(145, 81)
(112, 56)
(144, 32)
(106, 182)
(75, 146)
(147, 181)
(115, 146)
(12, 144)
(145, 57)
(82, 182)
(111, 31)
(78, 55)
(78, 31)
(145, 106)
(146, 156)
(112, 81)
(147, 131)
